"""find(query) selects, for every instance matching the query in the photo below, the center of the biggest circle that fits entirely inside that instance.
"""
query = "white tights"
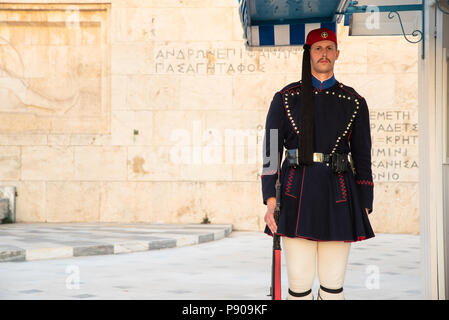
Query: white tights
(301, 256)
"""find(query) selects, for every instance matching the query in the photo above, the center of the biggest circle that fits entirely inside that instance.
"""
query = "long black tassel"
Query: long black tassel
(307, 113)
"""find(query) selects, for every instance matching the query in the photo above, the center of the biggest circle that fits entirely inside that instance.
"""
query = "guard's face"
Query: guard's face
(323, 55)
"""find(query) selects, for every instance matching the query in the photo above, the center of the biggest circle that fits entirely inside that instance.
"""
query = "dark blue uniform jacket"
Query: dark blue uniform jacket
(317, 203)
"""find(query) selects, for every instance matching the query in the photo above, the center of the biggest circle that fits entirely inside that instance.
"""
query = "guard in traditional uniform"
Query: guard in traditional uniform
(326, 178)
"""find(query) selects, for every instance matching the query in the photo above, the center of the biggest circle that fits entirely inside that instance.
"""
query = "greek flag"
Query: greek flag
(277, 35)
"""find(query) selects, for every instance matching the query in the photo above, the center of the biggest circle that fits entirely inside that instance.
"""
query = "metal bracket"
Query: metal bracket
(415, 33)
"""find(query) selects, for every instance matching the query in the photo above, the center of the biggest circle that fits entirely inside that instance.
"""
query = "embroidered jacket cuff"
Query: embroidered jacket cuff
(268, 178)
(365, 191)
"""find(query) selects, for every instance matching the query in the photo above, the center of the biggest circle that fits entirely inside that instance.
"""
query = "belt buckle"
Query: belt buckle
(318, 157)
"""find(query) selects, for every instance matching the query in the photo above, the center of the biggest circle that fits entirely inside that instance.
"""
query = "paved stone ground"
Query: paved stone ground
(236, 267)
(20, 242)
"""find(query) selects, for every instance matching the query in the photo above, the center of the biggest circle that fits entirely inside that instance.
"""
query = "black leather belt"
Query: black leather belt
(292, 156)
(338, 161)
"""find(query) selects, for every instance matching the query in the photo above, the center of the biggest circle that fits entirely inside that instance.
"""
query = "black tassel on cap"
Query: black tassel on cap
(307, 113)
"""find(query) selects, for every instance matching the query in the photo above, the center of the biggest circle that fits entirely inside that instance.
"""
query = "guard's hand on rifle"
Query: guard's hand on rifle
(269, 216)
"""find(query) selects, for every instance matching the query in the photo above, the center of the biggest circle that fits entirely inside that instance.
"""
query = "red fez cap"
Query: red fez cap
(320, 35)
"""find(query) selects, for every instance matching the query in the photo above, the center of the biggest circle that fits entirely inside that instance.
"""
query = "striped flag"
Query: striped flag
(283, 34)
(279, 34)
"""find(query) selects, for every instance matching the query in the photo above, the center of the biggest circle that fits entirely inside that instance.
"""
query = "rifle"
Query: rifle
(275, 289)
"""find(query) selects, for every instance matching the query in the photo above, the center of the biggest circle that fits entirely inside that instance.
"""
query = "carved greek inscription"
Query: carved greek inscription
(222, 61)
(394, 136)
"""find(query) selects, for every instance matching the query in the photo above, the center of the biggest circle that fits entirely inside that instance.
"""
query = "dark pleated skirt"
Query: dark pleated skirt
(320, 205)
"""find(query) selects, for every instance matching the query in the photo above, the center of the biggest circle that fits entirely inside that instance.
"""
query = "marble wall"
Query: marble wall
(153, 111)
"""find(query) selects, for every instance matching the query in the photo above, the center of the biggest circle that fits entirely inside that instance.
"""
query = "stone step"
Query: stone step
(27, 242)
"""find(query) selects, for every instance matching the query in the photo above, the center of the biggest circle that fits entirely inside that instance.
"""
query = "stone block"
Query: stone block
(47, 163)
(152, 163)
(162, 244)
(100, 163)
(90, 139)
(130, 246)
(72, 201)
(177, 127)
(132, 128)
(23, 139)
(369, 87)
(127, 201)
(158, 92)
(178, 202)
(119, 89)
(205, 93)
(254, 92)
(11, 253)
(93, 250)
(58, 139)
(9, 163)
(406, 91)
(9, 193)
(131, 58)
(206, 237)
(403, 61)
(30, 201)
(48, 253)
(4, 209)
(395, 208)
